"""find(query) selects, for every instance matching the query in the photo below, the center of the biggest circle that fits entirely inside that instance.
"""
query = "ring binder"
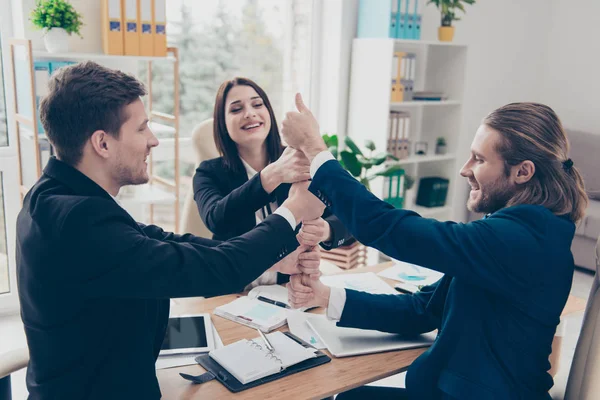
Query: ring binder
(234, 385)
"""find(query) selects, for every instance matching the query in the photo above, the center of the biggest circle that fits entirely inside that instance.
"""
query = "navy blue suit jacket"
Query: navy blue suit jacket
(507, 279)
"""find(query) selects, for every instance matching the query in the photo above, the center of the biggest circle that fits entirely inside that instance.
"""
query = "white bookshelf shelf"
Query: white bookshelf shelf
(44, 55)
(423, 159)
(409, 42)
(425, 103)
(439, 67)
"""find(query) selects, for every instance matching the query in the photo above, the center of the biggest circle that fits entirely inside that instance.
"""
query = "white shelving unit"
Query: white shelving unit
(139, 201)
(440, 66)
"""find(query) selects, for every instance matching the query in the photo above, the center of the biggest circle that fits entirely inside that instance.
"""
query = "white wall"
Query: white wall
(571, 75)
(505, 58)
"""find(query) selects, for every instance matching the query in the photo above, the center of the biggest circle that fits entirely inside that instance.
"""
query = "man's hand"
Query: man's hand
(306, 291)
(314, 232)
(300, 130)
(302, 203)
(303, 260)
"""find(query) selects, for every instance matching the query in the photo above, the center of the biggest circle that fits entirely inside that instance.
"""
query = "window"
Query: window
(9, 190)
(268, 41)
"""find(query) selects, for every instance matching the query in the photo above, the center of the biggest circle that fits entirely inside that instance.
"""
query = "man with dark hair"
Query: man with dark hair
(94, 285)
(507, 276)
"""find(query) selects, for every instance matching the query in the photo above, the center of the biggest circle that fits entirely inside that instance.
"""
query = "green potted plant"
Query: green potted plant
(448, 9)
(356, 162)
(59, 19)
(440, 145)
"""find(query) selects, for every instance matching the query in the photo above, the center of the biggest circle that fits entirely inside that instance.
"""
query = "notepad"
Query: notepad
(253, 313)
(249, 360)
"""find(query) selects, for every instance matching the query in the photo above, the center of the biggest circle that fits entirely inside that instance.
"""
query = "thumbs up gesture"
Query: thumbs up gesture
(300, 130)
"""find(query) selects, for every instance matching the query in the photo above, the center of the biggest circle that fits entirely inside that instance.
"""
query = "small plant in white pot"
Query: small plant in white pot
(59, 20)
(440, 145)
(448, 10)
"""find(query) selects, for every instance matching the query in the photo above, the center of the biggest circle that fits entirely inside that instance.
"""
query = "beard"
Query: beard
(493, 196)
(128, 175)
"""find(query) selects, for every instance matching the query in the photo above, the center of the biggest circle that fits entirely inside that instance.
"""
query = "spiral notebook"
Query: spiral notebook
(250, 360)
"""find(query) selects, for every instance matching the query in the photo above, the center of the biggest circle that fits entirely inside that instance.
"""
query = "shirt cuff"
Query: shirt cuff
(319, 160)
(287, 214)
(337, 301)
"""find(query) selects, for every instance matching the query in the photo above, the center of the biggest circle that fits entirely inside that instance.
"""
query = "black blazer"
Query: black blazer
(94, 285)
(227, 202)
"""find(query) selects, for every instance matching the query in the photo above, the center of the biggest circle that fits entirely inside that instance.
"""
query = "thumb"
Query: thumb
(300, 104)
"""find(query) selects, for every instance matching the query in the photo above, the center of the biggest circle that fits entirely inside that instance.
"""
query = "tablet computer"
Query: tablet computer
(188, 334)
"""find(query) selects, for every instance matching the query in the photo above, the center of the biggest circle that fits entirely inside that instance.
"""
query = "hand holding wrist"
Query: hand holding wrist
(270, 178)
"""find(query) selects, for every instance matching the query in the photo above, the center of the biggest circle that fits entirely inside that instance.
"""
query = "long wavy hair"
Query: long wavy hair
(532, 131)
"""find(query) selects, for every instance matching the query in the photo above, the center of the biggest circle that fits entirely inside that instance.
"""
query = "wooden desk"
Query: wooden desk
(339, 375)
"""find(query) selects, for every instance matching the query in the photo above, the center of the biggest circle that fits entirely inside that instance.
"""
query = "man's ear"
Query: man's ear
(99, 142)
(524, 172)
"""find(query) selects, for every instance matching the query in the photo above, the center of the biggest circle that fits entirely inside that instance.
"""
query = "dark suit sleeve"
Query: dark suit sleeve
(404, 314)
(156, 232)
(339, 234)
(120, 261)
(219, 210)
(489, 253)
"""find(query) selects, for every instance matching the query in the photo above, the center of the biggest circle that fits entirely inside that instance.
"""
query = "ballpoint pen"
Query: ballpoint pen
(277, 303)
(267, 343)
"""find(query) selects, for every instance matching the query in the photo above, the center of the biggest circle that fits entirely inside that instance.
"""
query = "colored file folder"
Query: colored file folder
(145, 27)
(159, 20)
(112, 27)
(131, 39)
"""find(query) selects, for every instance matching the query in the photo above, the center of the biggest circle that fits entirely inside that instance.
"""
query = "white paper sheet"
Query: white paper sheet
(411, 274)
(363, 282)
(297, 322)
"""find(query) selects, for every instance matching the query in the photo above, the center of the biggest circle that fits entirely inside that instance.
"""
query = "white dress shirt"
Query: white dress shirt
(337, 298)
(268, 277)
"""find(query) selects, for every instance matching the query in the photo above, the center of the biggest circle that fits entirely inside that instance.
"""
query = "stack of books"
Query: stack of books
(347, 257)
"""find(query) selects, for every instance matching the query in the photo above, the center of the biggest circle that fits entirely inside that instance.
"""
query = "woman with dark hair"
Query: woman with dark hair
(236, 191)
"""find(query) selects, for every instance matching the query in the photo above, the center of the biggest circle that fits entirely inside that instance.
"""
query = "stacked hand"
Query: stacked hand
(307, 291)
(301, 130)
(302, 203)
(291, 167)
(303, 260)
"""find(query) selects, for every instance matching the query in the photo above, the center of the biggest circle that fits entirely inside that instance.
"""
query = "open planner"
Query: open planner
(249, 360)
(249, 363)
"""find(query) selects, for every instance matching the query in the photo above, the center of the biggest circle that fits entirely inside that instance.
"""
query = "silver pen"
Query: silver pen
(267, 343)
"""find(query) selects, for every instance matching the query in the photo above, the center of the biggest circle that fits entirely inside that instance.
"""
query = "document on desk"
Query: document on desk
(253, 313)
(298, 324)
(363, 282)
(411, 274)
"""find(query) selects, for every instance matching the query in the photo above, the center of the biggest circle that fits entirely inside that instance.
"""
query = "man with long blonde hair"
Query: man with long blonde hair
(507, 276)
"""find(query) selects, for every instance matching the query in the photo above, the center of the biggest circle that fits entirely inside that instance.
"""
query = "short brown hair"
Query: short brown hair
(532, 131)
(82, 99)
(225, 145)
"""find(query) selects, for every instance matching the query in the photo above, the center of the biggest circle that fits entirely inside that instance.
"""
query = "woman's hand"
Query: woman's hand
(314, 232)
(291, 167)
